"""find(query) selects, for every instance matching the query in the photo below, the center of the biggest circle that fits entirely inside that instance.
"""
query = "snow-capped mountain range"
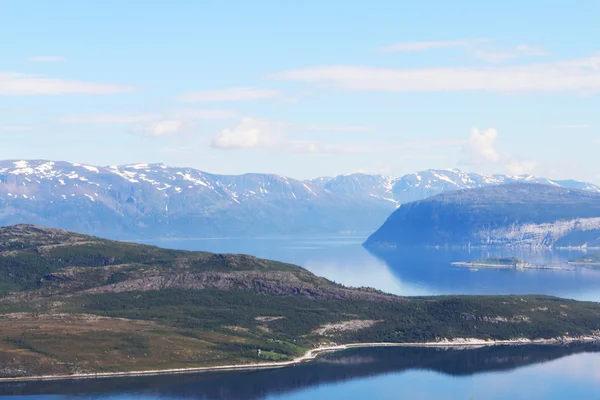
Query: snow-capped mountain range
(154, 200)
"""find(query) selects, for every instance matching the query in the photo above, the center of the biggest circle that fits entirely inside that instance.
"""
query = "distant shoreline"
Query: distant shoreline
(584, 263)
(483, 265)
(521, 266)
(310, 355)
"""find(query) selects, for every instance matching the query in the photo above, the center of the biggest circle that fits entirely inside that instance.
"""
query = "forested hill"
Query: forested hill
(72, 303)
(38, 261)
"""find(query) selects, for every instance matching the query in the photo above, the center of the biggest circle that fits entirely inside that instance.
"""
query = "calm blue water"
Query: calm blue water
(503, 372)
(413, 271)
(518, 372)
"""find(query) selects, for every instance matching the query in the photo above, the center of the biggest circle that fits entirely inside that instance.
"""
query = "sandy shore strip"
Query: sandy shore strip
(309, 356)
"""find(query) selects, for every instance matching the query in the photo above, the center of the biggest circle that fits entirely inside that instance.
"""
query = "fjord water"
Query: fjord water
(414, 271)
(502, 372)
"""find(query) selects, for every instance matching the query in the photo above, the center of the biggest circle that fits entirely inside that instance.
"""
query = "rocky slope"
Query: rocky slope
(38, 262)
(518, 215)
(149, 201)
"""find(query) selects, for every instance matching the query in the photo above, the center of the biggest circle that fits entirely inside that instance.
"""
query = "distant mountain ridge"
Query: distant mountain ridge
(154, 200)
(513, 215)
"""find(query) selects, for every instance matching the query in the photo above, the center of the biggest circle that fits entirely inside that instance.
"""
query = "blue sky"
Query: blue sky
(304, 88)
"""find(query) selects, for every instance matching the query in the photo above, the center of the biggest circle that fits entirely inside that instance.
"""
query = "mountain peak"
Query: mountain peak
(149, 200)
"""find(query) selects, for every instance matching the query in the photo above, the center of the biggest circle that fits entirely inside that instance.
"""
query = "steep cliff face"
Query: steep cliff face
(518, 215)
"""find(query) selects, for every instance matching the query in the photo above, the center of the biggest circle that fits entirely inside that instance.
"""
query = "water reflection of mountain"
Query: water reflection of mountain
(432, 269)
(334, 367)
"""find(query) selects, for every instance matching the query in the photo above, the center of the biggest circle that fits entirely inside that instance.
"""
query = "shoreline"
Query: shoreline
(309, 356)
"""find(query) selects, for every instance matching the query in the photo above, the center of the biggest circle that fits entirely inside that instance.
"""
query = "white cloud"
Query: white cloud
(520, 167)
(250, 133)
(420, 46)
(164, 127)
(47, 59)
(17, 84)
(229, 94)
(479, 149)
(580, 75)
(256, 133)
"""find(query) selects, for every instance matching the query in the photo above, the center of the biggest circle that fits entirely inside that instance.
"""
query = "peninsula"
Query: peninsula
(73, 305)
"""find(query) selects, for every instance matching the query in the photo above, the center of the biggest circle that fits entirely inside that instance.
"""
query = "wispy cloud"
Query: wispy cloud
(520, 51)
(479, 48)
(135, 118)
(229, 94)
(570, 126)
(333, 128)
(109, 119)
(157, 124)
(579, 75)
(43, 59)
(204, 114)
(405, 47)
(15, 128)
(423, 144)
(17, 84)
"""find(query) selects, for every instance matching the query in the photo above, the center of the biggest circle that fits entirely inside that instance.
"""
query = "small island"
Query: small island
(589, 260)
(506, 263)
